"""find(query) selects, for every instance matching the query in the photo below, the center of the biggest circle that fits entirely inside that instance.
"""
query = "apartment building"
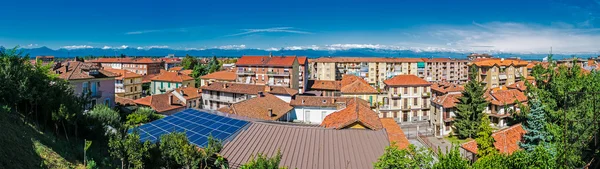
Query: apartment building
(142, 66)
(444, 98)
(228, 76)
(303, 73)
(218, 94)
(282, 71)
(498, 72)
(407, 99)
(447, 70)
(503, 102)
(173, 101)
(127, 84)
(89, 78)
(376, 70)
(354, 86)
(167, 81)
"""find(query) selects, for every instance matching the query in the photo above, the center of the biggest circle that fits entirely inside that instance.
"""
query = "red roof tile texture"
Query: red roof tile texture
(325, 85)
(395, 133)
(172, 77)
(356, 85)
(190, 92)
(280, 61)
(500, 62)
(502, 97)
(80, 70)
(406, 80)
(354, 113)
(447, 100)
(123, 74)
(160, 102)
(259, 107)
(444, 87)
(225, 75)
(506, 141)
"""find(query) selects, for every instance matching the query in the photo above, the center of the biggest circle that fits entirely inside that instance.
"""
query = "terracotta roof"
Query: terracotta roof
(520, 85)
(172, 77)
(285, 61)
(367, 59)
(302, 60)
(190, 92)
(506, 141)
(438, 60)
(325, 85)
(282, 90)
(406, 80)
(305, 147)
(356, 85)
(125, 60)
(123, 74)
(146, 60)
(81, 70)
(148, 78)
(447, 100)
(171, 60)
(394, 132)
(323, 101)
(178, 68)
(500, 62)
(226, 75)
(501, 97)
(159, 102)
(186, 72)
(124, 101)
(258, 108)
(354, 113)
(444, 87)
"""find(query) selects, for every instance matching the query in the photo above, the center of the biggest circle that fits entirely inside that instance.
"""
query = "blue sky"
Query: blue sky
(474, 25)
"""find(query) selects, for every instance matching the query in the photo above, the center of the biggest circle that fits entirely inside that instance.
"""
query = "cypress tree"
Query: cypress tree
(470, 107)
(485, 141)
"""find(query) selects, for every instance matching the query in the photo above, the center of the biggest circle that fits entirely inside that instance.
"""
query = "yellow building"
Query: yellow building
(498, 72)
(128, 84)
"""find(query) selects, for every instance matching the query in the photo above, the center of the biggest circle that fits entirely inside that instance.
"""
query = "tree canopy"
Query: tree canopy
(470, 107)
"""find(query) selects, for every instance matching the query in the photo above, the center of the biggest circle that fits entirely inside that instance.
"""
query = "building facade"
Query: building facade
(167, 81)
(142, 66)
(498, 72)
(282, 71)
(407, 99)
(443, 105)
(90, 78)
(447, 70)
(127, 84)
(218, 94)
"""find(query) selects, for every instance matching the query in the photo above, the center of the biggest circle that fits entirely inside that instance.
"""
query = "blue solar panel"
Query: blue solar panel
(197, 125)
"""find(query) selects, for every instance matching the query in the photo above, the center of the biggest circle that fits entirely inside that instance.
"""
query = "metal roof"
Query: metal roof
(307, 147)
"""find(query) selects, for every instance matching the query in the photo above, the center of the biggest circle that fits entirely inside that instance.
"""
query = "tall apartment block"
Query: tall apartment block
(447, 70)
(271, 70)
(498, 72)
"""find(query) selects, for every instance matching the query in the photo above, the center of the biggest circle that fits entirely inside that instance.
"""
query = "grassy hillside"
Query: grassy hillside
(24, 146)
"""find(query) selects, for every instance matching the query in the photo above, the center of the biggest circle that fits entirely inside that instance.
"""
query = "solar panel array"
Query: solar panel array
(197, 125)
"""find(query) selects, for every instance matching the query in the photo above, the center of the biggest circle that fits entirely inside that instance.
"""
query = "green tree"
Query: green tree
(178, 152)
(470, 107)
(535, 126)
(104, 116)
(493, 161)
(142, 115)
(485, 141)
(410, 157)
(214, 65)
(263, 162)
(189, 62)
(452, 160)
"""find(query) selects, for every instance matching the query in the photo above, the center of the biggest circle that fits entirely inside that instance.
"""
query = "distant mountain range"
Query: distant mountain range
(311, 53)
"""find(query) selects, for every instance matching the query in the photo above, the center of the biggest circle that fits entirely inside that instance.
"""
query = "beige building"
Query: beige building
(407, 99)
(447, 70)
(127, 84)
(498, 72)
(282, 71)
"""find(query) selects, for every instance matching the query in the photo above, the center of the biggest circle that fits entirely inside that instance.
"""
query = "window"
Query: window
(396, 103)
(130, 80)
(406, 90)
(395, 114)
(169, 85)
(135, 89)
(107, 102)
(415, 90)
(425, 113)
(415, 101)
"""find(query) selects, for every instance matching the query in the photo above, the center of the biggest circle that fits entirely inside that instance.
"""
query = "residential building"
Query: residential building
(444, 98)
(354, 86)
(356, 115)
(127, 84)
(192, 96)
(140, 66)
(407, 99)
(506, 141)
(227, 76)
(270, 70)
(498, 72)
(324, 87)
(170, 62)
(167, 81)
(173, 101)
(89, 78)
(475, 56)
(303, 73)
(447, 70)
(45, 59)
(263, 107)
(175, 69)
(503, 102)
(218, 94)
(569, 62)
(313, 109)
(373, 70)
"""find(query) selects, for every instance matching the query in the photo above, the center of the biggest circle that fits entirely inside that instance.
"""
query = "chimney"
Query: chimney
(302, 101)
(270, 111)
(501, 59)
(260, 94)
(270, 54)
(267, 88)
(170, 99)
(67, 67)
(332, 100)
(224, 85)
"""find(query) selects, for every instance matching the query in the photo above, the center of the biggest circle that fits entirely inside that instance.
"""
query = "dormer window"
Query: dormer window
(93, 71)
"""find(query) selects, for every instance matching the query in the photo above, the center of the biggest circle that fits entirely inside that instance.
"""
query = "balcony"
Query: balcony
(247, 72)
(396, 96)
(387, 108)
(278, 73)
(426, 94)
(118, 84)
(97, 94)
(279, 84)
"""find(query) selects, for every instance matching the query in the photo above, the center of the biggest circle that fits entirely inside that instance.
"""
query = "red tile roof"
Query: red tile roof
(406, 80)
(178, 68)
(325, 85)
(190, 92)
(186, 72)
(124, 101)
(354, 113)
(160, 102)
(447, 100)
(148, 78)
(502, 97)
(282, 61)
(520, 85)
(123, 74)
(278, 90)
(80, 70)
(356, 85)
(506, 141)
(395, 133)
(259, 107)
(302, 60)
(444, 87)
(225, 75)
(324, 101)
(172, 77)
(500, 62)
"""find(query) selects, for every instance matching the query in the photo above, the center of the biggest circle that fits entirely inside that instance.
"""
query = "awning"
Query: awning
(502, 76)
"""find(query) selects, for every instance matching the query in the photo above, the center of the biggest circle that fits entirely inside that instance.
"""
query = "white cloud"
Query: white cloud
(139, 48)
(228, 47)
(106, 47)
(152, 47)
(77, 47)
(276, 29)
(156, 30)
(119, 47)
